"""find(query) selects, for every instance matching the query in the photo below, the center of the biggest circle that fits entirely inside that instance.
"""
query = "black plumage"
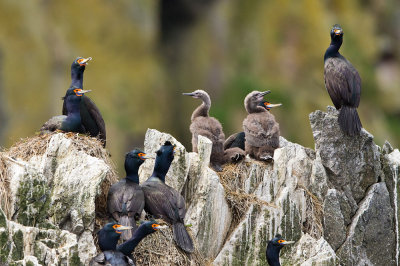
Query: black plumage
(120, 255)
(343, 84)
(125, 201)
(163, 201)
(92, 119)
(72, 121)
(260, 128)
(273, 249)
(211, 128)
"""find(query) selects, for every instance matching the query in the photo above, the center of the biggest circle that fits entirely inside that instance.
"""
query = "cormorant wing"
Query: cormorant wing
(164, 201)
(260, 128)
(96, 116)
(208, 127)
(342, 82)
(53, 123)
(229, 141)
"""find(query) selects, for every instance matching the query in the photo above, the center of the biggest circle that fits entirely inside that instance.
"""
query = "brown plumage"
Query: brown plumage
(260, 128)
(211, 128)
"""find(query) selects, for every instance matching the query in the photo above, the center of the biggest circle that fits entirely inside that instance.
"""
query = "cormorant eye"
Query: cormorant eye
(115, 226)
(155, 226)
(79, 60)
(280, 241)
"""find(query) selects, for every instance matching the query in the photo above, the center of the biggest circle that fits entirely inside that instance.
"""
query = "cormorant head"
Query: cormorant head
(337, 33)
(274, 247)
(150, 227)
(133, 160)
(80, 63)
(74, 93)
(199, 94)
(165, 156)
(279, 241)
(268, 105)
(110, 234)
(253, 99)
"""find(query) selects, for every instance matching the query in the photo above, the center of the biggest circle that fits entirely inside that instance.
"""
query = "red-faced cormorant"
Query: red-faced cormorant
(72, 121)
(343, 84)
(260, 128)
(120, 255)
(238, 139)
(163, 201)
(211, 128)
(274, 247)
(91, 117)
(125, 199)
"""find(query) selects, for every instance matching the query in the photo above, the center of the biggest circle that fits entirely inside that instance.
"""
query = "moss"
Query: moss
(29, 263)
(74, 260)
(4, 247)
(3, 219)
(18, 250)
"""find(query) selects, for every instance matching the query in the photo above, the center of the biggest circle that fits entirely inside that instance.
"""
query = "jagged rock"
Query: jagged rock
(53, 200)
(371, 239)
(334, 225)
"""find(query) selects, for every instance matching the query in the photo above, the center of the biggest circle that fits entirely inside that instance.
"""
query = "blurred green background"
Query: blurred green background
(147, 52)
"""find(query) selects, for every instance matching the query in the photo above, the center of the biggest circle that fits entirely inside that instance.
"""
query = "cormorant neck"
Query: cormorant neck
(129, 246)
(159, 174)
(333, 49)
(253, 107)
(73, 105)
(203, 109)
(134, 177)
(77, 77)
(273, 255)
(107, 242)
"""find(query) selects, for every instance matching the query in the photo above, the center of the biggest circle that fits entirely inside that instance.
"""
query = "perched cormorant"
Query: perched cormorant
(274, 247)
(91, 117)
(163, 201)
(72, 121)
(238, 139)
(260, 128)
(108, 238)
(211, 128)
(343, 84)
(125, 199)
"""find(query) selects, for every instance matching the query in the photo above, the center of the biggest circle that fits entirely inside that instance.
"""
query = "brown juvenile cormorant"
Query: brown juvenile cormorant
(108, 238)
(163, 201)
(274, 247)
(125, 199)
(91, 117)
(260, 128)
(211, 128)
(72, 121)
(343, 84)
(238, 139)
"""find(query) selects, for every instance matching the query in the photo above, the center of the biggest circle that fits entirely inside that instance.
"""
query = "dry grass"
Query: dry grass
(314, 214)
(159, 249)
(233, 179)
(5, 203)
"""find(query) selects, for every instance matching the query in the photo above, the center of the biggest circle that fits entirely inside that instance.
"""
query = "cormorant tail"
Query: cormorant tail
(182, 237)
(125, 220)
(349, 121)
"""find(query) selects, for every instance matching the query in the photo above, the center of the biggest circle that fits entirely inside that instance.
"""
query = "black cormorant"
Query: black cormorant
(343, 84)
(260, 128)
(108, 238)
(125, 199)
(274, 247)
(163, 201)
(91, 117)
(72, 121)
(211, 128)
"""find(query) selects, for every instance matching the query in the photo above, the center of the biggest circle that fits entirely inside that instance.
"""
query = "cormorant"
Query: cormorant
(163, 201)
(343, 84)
(108, 238)
(260, 128)
(91, 117)
(211, 128)
(238, 139)
(274, 247)
(125, 199)
(72, 121)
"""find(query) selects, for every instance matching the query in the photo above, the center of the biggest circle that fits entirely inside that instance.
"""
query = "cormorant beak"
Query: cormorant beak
(265, 93)
(188, 94)
(337, 31)
(287, 242)
(81, 92)
(120, 228)
(158, 227)
(271, 105)
(85, 61)
(146, 156)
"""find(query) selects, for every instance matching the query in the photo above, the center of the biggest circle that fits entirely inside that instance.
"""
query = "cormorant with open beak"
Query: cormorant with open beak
(343, 84)
(120, 255)
(163, 201)
(273, 249)
(91, 117)
(72, 121)
(211, 128)
(260, 128)
(125, 201)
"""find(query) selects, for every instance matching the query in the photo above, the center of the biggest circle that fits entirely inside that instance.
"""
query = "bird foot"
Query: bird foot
(267, 158)
(237, 157)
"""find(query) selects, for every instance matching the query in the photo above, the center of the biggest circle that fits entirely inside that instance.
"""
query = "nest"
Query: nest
(314, 214)
(5, 203)
(159, 248)
(233, 179)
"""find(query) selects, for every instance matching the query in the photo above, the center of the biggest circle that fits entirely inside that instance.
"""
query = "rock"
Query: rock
(371, 239)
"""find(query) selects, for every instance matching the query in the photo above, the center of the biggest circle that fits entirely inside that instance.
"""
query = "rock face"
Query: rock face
(339, 202)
